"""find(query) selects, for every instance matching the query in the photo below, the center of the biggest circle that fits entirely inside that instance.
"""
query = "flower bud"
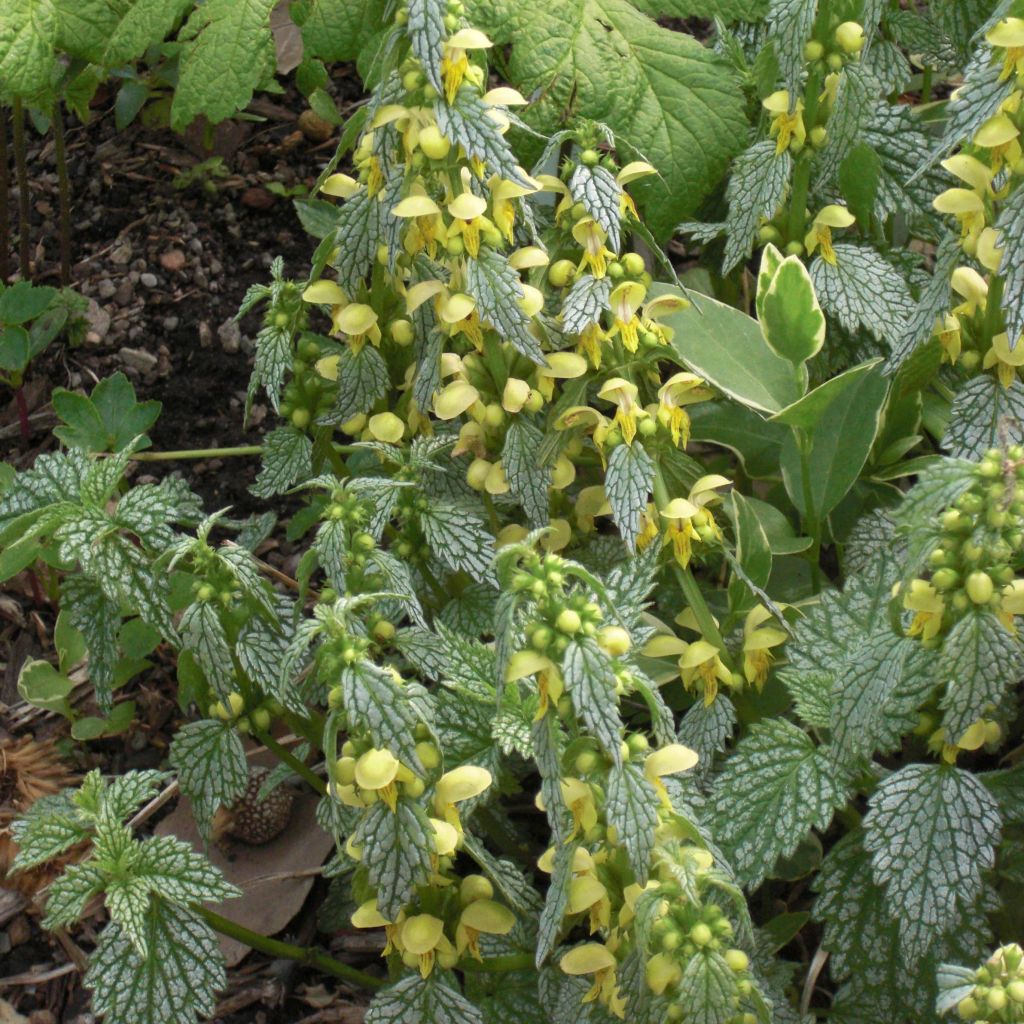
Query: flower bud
(850, 37)
(737, 960)
(979, 587)
(569, 621)
(433, 143)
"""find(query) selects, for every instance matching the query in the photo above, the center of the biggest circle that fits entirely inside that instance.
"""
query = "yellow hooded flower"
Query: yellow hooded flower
(681, 389)
(787, 124)
(631, 172)
(343, 186)
(968, 208)
(668, 760)
(592, 237)
(428, 229)
(947, 330)
(1008, 35)
(598, 960)
(680, 531)
(376, 772)
(701, 665)
(587, 895)
(1004, 359)
(368, 916)
(481, 917)
(820, 233)
(454, 60)
(386, 426)
(990, 253)
(503, 203)
(625, 300)
(462, 783)
(423, 940)
(624, 395)
(468, 212)
(972, 287)
(926, 603)
(560, 366)
(758, 641)
(1000, 135)
(579, 798)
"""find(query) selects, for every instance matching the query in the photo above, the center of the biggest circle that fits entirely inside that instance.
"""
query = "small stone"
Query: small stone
(257, 198)
(148, 280)
(125, 292)
(98, 320)
(138, 359)
(314, 127)
(106, 289)
(230, 335)
(195, 245)
(121, 254)
(216, 267)
(170, 323)
(205, 334)
(173, 260)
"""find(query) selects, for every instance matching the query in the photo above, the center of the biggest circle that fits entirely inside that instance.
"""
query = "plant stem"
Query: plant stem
(303, 954)
(926, 84)
(802, 174)
(198, 453)
(288, 758)
(23, 423)
(994, 308)
(5, 188)
(65, 195)
(498, 964)
(21, 168)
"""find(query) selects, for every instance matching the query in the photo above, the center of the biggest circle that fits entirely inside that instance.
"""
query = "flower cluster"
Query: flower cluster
(997, 996)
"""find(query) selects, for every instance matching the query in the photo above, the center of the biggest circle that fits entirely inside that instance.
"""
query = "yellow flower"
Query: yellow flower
(481, 917)
(623, 394)
(690, 518)
(503, 208)
(376, 772)
(588, 895)
(386, 426)
(968, 208)
(625, 300)
(579, 798)
(631, 172)
(787, 125)
(344, 186)
(947, 330)
(701, 665)
(454, 787)
(972, 287)
(681, 389)
(428, 230)
(368, 916)
(668, 760)
(820, 233)
(560, 366)
(926, 603)
(989, 254)
(455, 62)
(469, 221)
(758, 641)
(1004, 359)
(972, 171)
(454, 399)
(1008, 35)
(1000, 135)
(589, 234)
(598, 960)
(423, 940)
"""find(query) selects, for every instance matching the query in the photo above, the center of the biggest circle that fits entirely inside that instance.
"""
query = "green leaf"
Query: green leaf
(628, 482)
(979, 661)
(527, 478)
(707, 728)
(98, 618)
(397, 851)
(601, 196)
(985, 415)
(859, 176)
(790, 25)
(174, 871)
(203, 634)
(757, 185)
(287, 460)
(590, 684)
(273, 361)
(754, 441)
(375, 702)
(423, 1000)
(69, 894)
(212, 768)
(556, 901)
(726, 348)
(854, 104)
(175, 984)
(791, 319)
(50, 826)
(28, 34)
(42, 686)
(22, 302)
(337, 32)
(427, 34)
(14, 349)
(659, 91)
(839, 447)
(111, 34)
(775, 788)
(632, 808)
(932, 830)
(1011, 268)
(495, 285)
(727, 10)
(862, 290)
(108, 420)
(752, 549)
(708, 988)
(812, 408)
(228, 51)
(466, 122)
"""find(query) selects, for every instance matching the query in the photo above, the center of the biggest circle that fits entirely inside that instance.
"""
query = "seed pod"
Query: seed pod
(253, 820)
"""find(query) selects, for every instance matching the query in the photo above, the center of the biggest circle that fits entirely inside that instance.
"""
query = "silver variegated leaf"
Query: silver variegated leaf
(397, 850)
(628, 484)
(468, 123)
(601, 195)
(362, 379)
(632, 808)
(1011, 240)
(584, 303)
(757, 186)
(458, 537)
(287, 460)
(528, 479)
(495, 285)
(590, 684)
(985, 415)
(212, 768)
(427, 35)
(423, 1001)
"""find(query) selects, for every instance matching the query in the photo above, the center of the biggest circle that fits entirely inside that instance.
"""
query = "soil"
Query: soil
(165, 268)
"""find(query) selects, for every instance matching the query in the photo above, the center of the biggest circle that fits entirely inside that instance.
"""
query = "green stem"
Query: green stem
(492, 514)
(21, 169)
(303, 954)
(498, 964)
(926, 84)
(802, 174)
(994, 309)
(288, 758)
(219, 453)
(5, 217)
(64, 193)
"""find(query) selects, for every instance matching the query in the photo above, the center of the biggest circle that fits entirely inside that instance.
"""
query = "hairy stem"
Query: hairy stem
(65, 195)
(217, 453)
(308, 955)
(21, 169)
(284, 755)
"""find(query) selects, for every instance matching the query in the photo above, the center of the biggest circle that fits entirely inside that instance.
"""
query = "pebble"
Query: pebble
(173, 260)
(98, 320)
(121, 254)
(125, 292)
(138, 359)
(148, 280)
(106, 289)
(170, 323)
(195, 244)
(205, 334)
(230, 335)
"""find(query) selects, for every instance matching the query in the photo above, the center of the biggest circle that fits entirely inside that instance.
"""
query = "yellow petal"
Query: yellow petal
(996, 131)
(328, 367)
(664, 645)
(564, 365)
(970, 169)
(355, 318)
(589, 958)
(489, 917)
(1006, 33)
(376, 769)
(341, 185)
(368, 916)
(958, 202)
(422, 933)
(679, 508)
(467, 206)
(469, 39)
(514, 397)
(669, 760)
(457, 307)
(455, 399)
(835, 216)
(324, 292)
(632, 171)
(446, 837)
(419, 293)
(525, 663)
(532, 300)
(462, 783)
(504, 96)
(584, 892)
(777, 102)
(416, 206)
(386, 426)
(528, 256)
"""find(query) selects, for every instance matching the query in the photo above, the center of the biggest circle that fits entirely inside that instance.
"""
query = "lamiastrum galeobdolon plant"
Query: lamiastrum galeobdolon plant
(520, 590)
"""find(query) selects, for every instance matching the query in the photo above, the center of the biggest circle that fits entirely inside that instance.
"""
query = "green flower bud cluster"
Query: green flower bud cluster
(974, 563)
(233, 709)
(998, 993)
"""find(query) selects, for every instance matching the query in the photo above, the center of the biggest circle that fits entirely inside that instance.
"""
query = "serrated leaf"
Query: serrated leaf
(862, 290)
(508, 879)
(774, 789)
(657, 90)
(850, 113)
(707, 728)
(174, 871)
(985, 415)
(287, 460)
(458, 537)
(111, 34)
(628, 483)
(68, 895)
(528, 479)
(491, 280)
(98, 619)
(467, 122)
(931, 830)
(375, 702)
(632, 808)
(708, 988)
(584, 303)
(273, 361)
(228, 51)
(362, 380)
(423, 1000)
(28, 34)
(427, 35)
(397, 850)
(203, 634)
(337, 32)
(50, 826)
(601, 195)
(979, 661)
(590, 684)
(555, 902)
(212, 767)
(757, 186)
(790, 24)
(175, 984)
(1011, 268)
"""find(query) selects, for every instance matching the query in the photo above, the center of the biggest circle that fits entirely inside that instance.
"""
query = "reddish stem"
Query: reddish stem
(23, 423)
